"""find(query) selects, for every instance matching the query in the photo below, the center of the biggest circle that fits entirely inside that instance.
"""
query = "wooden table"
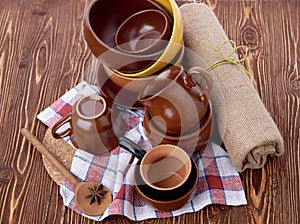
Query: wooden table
(43, 54)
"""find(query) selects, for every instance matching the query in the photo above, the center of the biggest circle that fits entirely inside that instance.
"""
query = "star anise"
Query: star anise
(96, 194)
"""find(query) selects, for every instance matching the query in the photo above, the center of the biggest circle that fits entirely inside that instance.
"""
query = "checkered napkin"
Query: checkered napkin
(219, 182)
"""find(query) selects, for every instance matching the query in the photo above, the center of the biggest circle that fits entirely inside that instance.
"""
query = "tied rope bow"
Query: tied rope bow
(228, 59)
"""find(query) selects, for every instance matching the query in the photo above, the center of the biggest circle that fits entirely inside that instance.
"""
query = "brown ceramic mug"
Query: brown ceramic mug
(90, 125)
(175, 101)
(165, 176)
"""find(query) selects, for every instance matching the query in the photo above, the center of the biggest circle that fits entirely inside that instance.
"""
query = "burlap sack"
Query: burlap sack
(250, 133)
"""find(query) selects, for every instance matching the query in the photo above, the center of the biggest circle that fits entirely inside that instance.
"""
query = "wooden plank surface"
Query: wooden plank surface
(43, 54)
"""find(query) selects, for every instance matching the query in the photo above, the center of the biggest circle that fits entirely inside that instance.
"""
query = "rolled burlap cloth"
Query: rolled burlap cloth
(250, 133)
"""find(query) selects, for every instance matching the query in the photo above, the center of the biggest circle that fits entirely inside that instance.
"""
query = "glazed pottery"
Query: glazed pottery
(164, 167)
(124, 90)
(175, 201)
(114, 93)
(93, 125)
(190, 142)
(144, 32)
(100, 26)
(164, 174)
(137, 84)
(175, 102)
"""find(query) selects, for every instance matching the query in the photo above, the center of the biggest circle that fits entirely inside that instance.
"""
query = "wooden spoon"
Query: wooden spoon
(91, 198)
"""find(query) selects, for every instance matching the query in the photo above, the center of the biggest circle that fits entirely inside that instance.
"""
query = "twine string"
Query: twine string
(228, 59)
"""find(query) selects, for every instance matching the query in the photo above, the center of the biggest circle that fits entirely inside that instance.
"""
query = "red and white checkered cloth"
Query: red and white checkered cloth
(219, 182)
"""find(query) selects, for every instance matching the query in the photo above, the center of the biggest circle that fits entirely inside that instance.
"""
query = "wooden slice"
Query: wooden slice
(62, 151)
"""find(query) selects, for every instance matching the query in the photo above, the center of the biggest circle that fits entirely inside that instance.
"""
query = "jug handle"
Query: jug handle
(190, 82)
(60, 123)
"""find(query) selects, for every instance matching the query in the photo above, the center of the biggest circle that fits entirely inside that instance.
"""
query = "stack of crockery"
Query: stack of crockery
(139, 44)
(177, 109)
(134, 40)
(140, 49)
(166, 177)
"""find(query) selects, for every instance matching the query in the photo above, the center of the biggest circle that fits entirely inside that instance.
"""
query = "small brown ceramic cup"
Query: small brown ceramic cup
(176, 201)
(165, 174)
(90, 125)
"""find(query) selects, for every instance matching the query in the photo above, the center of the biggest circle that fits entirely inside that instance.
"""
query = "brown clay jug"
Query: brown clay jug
(175, 101)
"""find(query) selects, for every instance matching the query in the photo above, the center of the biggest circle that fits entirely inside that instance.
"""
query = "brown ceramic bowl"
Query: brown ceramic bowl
(174, 201)
(144, 32)
(136, 84)
(101, 22)
(194, 141)
(174, 42)
(114, 93)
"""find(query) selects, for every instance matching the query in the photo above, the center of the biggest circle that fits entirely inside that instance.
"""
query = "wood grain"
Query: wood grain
(43, 54)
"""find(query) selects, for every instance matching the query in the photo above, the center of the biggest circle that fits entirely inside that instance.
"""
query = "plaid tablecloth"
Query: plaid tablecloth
(219, 182)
